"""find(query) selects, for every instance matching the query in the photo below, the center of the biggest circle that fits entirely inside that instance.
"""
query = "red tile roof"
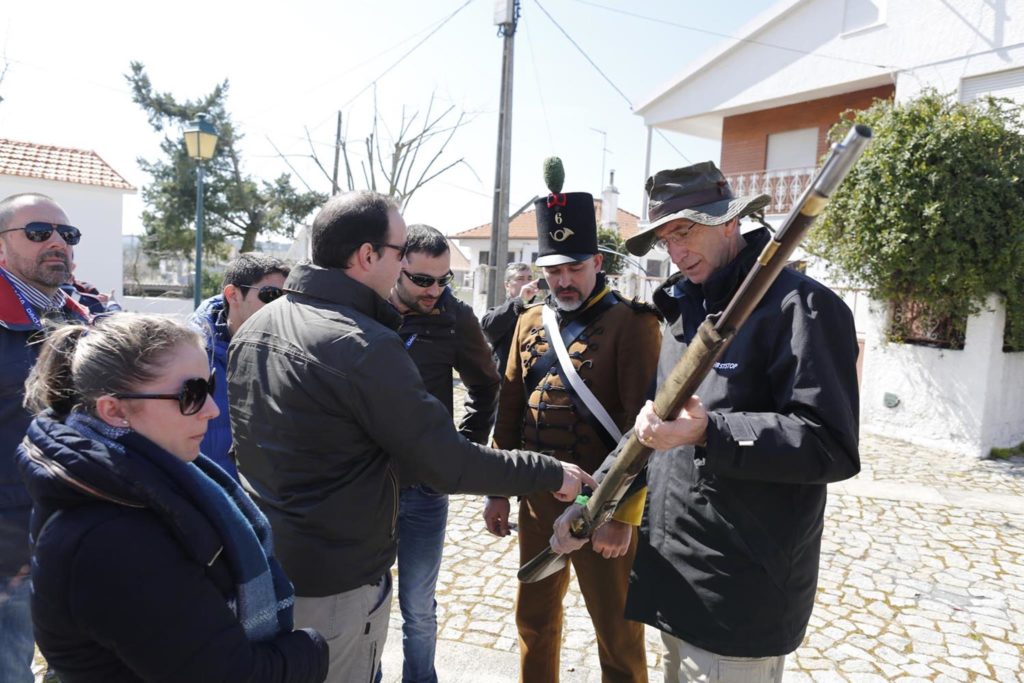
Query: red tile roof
(524, 226)
(63, 164)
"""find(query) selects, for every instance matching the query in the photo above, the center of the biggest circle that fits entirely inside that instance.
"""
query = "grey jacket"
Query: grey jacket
(328, 413)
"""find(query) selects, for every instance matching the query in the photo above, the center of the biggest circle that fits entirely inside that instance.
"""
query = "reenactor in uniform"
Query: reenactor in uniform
(573, 402)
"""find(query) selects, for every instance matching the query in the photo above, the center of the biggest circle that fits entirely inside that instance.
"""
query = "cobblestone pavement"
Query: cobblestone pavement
(922, 579)
(909, 591)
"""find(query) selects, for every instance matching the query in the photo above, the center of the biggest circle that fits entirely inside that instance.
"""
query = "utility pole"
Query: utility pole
(506, 14)
(337, 153)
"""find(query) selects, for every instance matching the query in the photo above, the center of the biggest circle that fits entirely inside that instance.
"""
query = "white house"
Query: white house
(770, 98)
(89, 191)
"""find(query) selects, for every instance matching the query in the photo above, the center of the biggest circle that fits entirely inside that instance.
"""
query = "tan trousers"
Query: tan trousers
(620, 643)
(687, 663)
(355, 626)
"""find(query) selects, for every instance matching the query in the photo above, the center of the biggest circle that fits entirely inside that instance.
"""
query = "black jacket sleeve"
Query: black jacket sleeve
(386, 396)
(499, 321)
(136, 592)
(478, 373)
(813, 436)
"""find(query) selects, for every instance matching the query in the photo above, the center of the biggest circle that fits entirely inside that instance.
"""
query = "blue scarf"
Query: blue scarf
(264, 596)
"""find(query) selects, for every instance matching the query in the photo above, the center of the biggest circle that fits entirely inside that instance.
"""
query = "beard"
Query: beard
(415, 303)
(570, 304)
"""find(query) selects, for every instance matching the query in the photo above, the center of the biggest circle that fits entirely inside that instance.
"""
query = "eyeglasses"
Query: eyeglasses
(402, 249)
(421, 280)
(266, 293)
(192, 396)
(674, 239)
(38, 231)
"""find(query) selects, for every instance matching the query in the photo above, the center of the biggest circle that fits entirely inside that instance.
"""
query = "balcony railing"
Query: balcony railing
(783, 185)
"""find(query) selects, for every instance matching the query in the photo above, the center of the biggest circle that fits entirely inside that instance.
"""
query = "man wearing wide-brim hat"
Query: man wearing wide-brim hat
(575, 406)
(727, 562)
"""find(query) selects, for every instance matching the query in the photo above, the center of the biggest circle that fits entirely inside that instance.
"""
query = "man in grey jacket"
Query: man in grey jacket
(329, 413)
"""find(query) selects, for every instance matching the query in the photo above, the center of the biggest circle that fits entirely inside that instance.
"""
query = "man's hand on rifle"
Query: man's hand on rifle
(496, 512)
(573, 480)
(688, 428)
(562, 541)
(611, 539)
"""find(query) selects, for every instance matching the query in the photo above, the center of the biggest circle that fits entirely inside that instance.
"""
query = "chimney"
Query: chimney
(610, 204)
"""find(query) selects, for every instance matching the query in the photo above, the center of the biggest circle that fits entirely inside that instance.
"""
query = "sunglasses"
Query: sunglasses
(192, 396)
(266, 293)
(421, 280)
(38, 231)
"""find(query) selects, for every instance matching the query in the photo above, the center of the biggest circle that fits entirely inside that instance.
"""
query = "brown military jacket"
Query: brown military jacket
(616, 356)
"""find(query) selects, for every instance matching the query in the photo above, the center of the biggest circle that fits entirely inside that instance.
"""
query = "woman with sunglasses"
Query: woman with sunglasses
(149, 561)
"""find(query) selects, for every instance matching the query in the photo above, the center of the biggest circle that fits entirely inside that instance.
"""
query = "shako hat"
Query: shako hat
(566, 223)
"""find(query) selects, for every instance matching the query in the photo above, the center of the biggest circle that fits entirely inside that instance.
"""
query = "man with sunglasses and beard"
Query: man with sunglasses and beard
(36, 254)
(441, 333)
(251, 281)
(574, 403)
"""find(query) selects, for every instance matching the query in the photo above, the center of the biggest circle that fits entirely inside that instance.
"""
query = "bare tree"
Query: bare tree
(395, 164)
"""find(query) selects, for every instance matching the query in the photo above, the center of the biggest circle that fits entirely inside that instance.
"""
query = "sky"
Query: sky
(291, 67)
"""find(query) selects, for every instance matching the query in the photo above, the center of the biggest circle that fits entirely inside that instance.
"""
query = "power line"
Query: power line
(585, 55)
(403, 57)
(665, 22)
(540, 87)
(606, 78)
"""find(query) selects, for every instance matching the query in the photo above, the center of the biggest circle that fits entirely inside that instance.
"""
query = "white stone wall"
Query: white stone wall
(959, 401)
(165, 305)
(97, 212)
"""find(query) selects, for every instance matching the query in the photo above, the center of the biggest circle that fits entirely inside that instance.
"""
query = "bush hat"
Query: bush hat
(699, 193)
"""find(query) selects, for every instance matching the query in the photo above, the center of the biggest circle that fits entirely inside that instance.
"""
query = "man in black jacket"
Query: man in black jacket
(36, 257)
(499, 323)
(440, 333)
(727, 564)
(329, 413)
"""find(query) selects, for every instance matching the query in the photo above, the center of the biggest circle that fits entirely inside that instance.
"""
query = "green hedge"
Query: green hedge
(933, 213)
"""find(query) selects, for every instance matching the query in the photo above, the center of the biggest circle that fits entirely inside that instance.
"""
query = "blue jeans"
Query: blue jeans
(16, 642)
(422, 516)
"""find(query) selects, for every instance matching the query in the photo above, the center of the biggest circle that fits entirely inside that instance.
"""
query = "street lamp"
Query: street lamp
(200, 142)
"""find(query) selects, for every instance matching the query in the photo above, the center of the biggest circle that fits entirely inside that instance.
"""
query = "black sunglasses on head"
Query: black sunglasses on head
(421, 280)
(266, 293)
(192, 396)
(38, 231)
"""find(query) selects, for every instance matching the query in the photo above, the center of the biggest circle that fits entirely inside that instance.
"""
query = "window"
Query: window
(485, 258)
(792, 149)
(1008, 83)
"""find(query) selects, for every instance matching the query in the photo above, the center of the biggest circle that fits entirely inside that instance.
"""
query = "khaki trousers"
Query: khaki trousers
(355, 626)
(620, 643)
(687, 663)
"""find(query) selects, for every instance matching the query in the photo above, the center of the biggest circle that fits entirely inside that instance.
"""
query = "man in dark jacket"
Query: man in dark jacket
(329, 413)
(35, 259)
(727, 565)
(251, 281)
(499, 323)
(440, 333)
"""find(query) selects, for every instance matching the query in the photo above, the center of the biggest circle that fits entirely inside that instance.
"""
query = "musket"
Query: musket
(712, 337)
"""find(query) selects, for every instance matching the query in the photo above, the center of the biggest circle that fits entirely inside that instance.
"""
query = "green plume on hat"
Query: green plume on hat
(554, 174)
